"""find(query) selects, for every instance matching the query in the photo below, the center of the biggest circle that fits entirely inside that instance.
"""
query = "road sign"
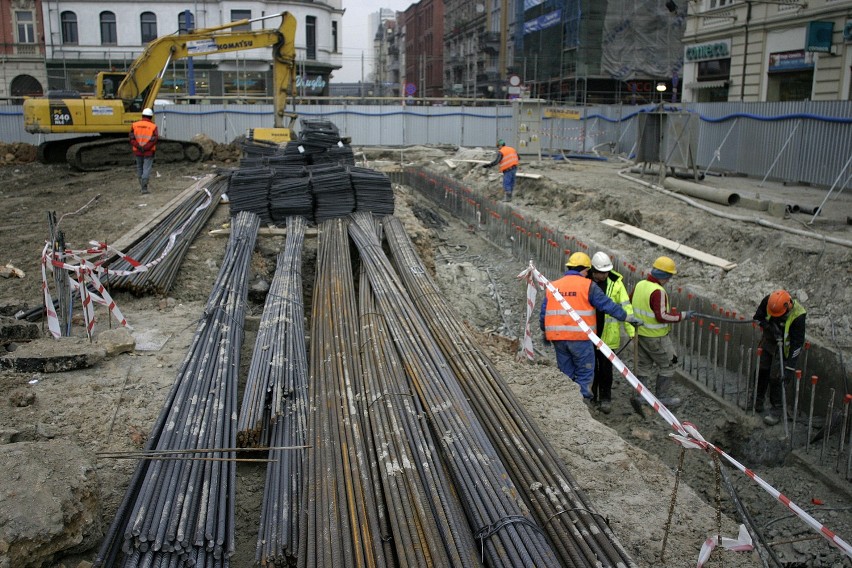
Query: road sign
(410, 89)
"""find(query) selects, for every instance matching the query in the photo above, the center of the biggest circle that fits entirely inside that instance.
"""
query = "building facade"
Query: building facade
(424, 49)
(757, 50)
(22, 70)
(85, 37)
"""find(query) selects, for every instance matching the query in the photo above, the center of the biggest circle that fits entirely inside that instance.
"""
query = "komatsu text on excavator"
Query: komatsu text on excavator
(119, 98)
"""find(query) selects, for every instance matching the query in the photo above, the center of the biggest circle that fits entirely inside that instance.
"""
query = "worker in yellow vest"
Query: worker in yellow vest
(782, 320)
(650, 303)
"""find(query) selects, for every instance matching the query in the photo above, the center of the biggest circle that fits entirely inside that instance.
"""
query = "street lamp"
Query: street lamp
(661, 88)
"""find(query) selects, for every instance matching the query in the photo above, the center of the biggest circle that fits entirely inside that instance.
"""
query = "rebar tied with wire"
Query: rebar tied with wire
(275, 403)
(577, 531)
(180, 512)
(507, 534)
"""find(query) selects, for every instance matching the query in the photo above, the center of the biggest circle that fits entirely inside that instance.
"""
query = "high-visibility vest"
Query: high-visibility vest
(642, 309)
(558, 324)
(611, 332)
(143, 131)
(797, 311)
(509, 158)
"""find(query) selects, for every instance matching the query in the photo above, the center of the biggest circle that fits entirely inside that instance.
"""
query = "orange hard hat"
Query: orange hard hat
(779, 303)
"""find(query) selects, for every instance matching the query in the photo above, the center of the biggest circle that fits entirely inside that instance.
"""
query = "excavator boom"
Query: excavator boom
(120, 97)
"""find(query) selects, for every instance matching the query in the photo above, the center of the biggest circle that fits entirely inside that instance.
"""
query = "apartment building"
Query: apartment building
(768, 50)
(22, 70)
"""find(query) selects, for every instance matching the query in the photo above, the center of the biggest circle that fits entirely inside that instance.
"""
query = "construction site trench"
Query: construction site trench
(624, 464)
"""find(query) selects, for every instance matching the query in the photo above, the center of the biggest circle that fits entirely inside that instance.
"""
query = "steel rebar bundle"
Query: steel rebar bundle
(185, 221)
(428, 523)
(500, 522)
(180, 512)
(577, 531)
(275, 403)
(341, 519)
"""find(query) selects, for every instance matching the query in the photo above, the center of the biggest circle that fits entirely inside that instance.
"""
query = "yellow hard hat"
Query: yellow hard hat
(579, 259)
(665, 264)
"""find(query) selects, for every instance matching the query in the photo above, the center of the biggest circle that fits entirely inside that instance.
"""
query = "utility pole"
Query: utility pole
(504, 33)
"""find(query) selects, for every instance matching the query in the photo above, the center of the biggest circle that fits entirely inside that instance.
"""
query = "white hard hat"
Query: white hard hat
(147, 112)
(601, 262)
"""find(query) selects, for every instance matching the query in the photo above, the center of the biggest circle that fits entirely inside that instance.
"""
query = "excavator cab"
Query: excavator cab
(107, 83)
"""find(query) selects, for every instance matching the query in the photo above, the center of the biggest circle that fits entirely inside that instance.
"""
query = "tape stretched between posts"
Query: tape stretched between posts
(87, 271)
(686, 434)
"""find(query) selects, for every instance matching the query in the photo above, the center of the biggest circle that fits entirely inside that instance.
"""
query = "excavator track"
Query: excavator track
(101, 154)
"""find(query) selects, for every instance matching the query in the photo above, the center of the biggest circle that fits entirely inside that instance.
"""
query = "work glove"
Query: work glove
(633, 320)
(545, 340)
(674, 359)
(688, 314)
(486, 166)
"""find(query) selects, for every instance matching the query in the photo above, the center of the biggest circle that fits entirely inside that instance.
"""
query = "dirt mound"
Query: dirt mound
(16, 153)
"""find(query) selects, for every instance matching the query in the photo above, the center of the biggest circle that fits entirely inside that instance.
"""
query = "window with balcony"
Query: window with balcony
(148, 26)
(310, 37)
(241, 15)
(186, 22)
(109, 34)
(69, 28)
(24, 20)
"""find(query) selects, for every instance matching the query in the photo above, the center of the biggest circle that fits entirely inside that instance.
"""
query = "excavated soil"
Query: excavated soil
(625, 464)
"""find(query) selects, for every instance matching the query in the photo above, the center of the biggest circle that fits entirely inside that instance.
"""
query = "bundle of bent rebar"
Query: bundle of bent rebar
(179, 507)
(579, 534)
(177, 230)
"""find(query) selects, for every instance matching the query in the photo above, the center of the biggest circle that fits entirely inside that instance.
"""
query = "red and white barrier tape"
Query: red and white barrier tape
(86, 272)
(686, 434)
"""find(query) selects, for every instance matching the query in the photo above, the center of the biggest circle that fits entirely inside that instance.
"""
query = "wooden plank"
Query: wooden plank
(453, 165)
(128, 239)
(671, 245)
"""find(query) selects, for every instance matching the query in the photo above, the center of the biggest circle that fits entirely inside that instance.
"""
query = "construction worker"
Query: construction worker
(782, 320)
(143, 142)
(611, 282)
(508, 159)
(575, 353)
(651, 305)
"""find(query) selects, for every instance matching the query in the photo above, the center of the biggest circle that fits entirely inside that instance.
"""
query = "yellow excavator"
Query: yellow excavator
(119, 98)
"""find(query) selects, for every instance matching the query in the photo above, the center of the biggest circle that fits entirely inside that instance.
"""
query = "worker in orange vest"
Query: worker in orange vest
(143, 142)
(508, 159)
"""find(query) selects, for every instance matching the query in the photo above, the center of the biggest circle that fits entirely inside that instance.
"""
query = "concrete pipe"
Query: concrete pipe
(712, 194)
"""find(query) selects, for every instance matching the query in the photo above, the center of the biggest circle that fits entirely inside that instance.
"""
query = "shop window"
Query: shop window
(148, 26)
(69, 28)
(244, 83)
(109, 34)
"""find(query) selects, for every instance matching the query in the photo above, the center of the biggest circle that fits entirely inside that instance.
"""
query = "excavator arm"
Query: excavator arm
(145, 76)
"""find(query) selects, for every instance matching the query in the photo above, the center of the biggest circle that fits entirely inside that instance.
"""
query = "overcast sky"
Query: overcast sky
(357, 39)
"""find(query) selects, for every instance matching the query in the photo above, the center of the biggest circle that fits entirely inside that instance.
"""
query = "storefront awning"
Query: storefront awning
(707, 84)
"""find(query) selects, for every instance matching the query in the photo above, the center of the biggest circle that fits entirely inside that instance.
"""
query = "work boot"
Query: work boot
(606, 406)
(507, 197)
(773, 417)
(144, 187)
(661, 391)
(638, 405)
